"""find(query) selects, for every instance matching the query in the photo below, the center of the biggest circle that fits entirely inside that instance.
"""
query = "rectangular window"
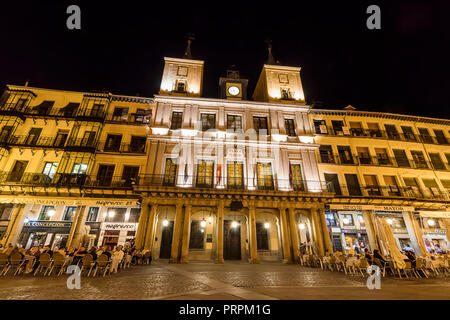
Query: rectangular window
(419, 159)
(431, 188)
(50, 169)
(337, 127)
(92, 214)
(134, 215)
(401, 158)
(382, 157)
(447, 156)
(296, 178)
(353, 184)
(363, 155)
(177, 120)
(69, 213)
(115, 215)
(356, 129)
(97, 110)
(5, 211)
(425, 135)
(5, 133)
(197, 237)
(345, 155)
(120, 114)
(440, 137)
(374, 130)
(262, 237)
(181, 86)
(208, 121)
(264, 175)
(46, 213)
(446, 184)
(412, 187)
(332, 182)
(285, 94)
(372, 186)
(391, 185)
(408, 133)
(113, 142)
(234, 122)
(17, 171)
(137, 144)
(88, 139)
(362, 223)
(346, 219)
(326, 154)
(437, 161)
(235, 174)
(205, 170)
(143, 116)
(320, 127)
(61, 138)
(33, 136)
(290, 127)
(392, 132)
(105, 174)
(79, 168)
(170, 172)
(260, 125)
(130, 174)
(331, 219)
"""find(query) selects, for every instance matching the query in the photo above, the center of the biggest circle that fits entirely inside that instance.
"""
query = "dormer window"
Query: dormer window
(181, 86)
(285, 94)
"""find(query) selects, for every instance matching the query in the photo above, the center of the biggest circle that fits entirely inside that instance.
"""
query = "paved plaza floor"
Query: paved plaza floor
(231, 281)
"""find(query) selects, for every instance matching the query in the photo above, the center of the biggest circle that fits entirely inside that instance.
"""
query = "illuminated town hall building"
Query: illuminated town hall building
(209, 179)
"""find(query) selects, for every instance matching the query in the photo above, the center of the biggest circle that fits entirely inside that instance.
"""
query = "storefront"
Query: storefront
(435, 227)
(45, 233)
(116, 233)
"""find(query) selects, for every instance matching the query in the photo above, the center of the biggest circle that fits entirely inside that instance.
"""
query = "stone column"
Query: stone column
(75, 228)
(326, 234)
(77, 237)
(294, 234)
(219, 235)
(186, 234)
(14, 225)
(150, 236)
(174, 252)
(142, 224)
(318, 232)
(253, 243)
(370, 229)
(412, 234)
(285, 237)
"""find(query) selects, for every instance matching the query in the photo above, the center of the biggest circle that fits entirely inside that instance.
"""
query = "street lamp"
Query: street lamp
(301, 226)
(234, 224)
(266, 225)
(165, 223)
(389, 220)
(203, 223)
(111, 213)
(51, 213)
(430, 222)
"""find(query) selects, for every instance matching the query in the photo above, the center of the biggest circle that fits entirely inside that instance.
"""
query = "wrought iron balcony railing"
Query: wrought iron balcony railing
(390, 191)
(122, 147)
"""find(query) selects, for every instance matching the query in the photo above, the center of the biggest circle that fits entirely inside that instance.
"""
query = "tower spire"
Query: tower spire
(270, 59)
(187, 53)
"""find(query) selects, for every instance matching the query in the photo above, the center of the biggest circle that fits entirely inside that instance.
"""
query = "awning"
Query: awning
(435, 214)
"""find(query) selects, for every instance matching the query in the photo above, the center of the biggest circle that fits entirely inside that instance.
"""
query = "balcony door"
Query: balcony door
(33, 136)
(18, 170)
(105, 174)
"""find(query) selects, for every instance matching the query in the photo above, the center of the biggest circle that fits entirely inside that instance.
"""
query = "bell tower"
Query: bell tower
(278, 83)
(232, 87)
(182, 76)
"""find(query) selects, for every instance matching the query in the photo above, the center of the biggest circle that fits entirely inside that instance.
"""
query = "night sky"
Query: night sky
(402, 68)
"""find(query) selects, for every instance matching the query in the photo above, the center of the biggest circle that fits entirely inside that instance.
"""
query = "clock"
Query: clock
(233, 90)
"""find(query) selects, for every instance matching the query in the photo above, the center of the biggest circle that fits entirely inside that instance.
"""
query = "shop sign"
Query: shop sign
(119, 226)
(435, 232)
(235, 153)
(435, 214)
(335, 229)
(48, 224)
(351, 207)
(69, 201)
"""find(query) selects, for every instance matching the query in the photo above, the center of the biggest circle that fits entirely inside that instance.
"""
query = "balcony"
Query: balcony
(42, 180)
(91, 115)
(81, 145)
(381, 134)
(261, 184)
(394, 191)
(36, 142)
(122, 148)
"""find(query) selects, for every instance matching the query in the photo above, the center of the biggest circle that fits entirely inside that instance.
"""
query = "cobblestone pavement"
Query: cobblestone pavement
(229, 281)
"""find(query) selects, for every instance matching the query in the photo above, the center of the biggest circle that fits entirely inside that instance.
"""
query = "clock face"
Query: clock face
(233, 90)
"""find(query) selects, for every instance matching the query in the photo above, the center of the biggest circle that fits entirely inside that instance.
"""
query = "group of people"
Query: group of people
(74, 256)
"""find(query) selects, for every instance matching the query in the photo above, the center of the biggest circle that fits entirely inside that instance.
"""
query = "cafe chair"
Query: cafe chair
(44, 262)
(104, 264)
(4, 263)
(87, 263)
(58, 262)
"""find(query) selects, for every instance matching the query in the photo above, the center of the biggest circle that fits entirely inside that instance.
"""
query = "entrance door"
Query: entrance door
(166, 241)
(231, 241)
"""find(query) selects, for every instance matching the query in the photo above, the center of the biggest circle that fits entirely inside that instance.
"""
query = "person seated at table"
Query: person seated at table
(93, 252)
(327, 253)
(116, 257)
(412, 257)
(32, 258)
(351, 251)
(368, 256)
(105, 251)
(47, 250)
(377, 255)
(78, 255)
